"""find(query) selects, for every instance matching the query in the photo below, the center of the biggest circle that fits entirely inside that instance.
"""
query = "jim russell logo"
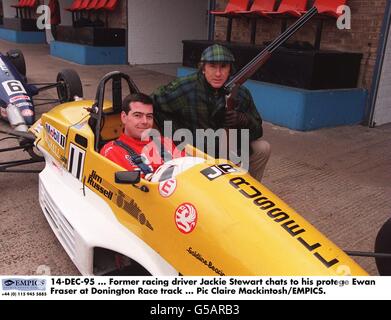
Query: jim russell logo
(24, 284)
(209, 264)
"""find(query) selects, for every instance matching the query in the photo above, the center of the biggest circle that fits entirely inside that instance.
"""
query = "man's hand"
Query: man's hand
(235, 119)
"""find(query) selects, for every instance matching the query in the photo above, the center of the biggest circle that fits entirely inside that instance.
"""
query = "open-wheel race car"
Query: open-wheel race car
(19, 98)
(194, 216)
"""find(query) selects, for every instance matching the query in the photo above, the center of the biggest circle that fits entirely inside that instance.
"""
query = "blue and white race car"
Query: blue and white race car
(18, 97)
(18, 100)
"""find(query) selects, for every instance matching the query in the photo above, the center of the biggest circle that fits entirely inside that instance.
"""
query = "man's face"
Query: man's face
(216, 73)
(138, 119)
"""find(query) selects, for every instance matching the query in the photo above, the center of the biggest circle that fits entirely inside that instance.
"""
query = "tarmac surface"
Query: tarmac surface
(337, 178)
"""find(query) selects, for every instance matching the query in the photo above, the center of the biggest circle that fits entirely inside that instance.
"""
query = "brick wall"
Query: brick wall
(363, 37)
(118, 18)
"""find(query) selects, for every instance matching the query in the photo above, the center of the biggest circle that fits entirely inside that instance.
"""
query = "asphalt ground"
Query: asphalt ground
(336, 178)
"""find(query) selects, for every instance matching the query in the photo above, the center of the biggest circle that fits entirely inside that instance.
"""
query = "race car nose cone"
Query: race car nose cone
(15, 118)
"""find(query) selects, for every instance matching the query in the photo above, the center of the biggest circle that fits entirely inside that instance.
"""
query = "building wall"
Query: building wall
(66, 16)
(8, 11)
(382, 113)
(118, 18)
(363, 37)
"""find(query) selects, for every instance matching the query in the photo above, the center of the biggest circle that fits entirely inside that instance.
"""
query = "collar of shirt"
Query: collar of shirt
(132, 141)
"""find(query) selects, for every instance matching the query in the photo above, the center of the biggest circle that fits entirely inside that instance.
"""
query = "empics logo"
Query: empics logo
(24, 284)
(8, 283)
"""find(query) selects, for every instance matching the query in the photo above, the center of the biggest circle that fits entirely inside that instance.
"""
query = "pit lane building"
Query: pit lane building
(324, 76)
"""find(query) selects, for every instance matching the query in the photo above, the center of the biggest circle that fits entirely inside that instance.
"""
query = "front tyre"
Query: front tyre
(383, 245)
(17, 58)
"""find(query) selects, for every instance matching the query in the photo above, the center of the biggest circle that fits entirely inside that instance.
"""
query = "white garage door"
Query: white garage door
(8, 11)
(156, 28)
(382, 112)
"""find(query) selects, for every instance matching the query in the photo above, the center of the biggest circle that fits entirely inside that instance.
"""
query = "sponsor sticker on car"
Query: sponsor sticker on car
(56, 135)
(3, 66)
(23, 104)
(19, 98)
(13, 87)
(214, 172)
(167, 187)
(186, 218)
(38, 126)
(27, 113)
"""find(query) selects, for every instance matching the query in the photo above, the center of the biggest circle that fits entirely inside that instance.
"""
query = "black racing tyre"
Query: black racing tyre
(69, 85)
(383, 245)
(17, 58)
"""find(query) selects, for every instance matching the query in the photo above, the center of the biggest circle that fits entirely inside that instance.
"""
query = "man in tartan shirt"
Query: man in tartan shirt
(197, 101)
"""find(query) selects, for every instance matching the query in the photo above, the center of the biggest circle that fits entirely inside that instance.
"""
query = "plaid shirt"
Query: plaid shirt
(191, 103)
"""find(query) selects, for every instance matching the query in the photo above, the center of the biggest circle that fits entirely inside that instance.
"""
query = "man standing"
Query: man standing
(198, 102)
(134, 149)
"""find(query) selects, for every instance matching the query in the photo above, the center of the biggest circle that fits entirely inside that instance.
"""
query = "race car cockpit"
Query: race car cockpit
(106, 125)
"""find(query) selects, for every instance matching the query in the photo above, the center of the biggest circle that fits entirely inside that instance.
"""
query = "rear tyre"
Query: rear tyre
(69, 85)
(383, 245)
(17, 58)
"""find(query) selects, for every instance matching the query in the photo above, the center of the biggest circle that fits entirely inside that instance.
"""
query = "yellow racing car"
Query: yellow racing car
(195, 215)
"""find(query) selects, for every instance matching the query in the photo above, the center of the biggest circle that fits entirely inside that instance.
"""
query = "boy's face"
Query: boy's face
(138, 119)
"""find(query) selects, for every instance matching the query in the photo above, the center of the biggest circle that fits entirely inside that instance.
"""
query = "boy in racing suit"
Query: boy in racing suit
(135, 149)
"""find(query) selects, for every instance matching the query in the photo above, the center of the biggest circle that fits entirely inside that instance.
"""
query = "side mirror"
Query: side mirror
(127, 177)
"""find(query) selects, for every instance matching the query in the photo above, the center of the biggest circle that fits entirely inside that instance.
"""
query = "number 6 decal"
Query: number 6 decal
(13, 87)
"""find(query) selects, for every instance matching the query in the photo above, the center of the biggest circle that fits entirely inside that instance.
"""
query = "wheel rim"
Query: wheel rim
(62, 91)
